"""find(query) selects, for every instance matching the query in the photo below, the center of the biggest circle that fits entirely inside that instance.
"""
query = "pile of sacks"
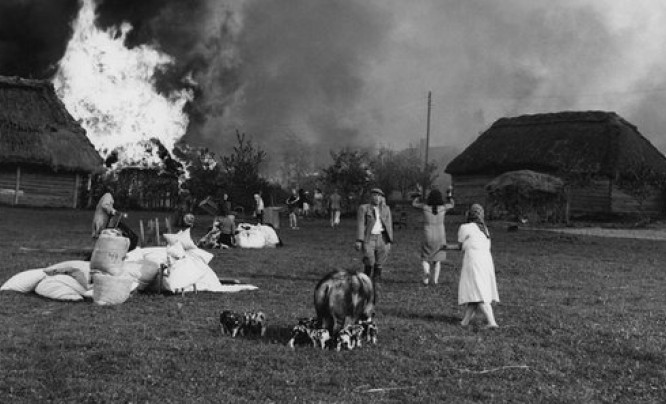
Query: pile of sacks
(111, 282)
(104, 278)
(113, 273)
(256, 236)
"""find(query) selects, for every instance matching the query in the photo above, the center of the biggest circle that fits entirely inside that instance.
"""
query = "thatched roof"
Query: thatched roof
(36, 129)
(591, 142)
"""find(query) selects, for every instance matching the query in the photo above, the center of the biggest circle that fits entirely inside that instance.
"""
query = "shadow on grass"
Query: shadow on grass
(439, 318)
(275, 335)
(309, 279)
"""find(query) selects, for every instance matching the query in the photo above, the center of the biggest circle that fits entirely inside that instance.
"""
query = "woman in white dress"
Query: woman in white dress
(477, 288)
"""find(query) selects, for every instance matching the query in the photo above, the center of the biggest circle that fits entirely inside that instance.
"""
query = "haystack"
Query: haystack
(525, 182)
(526, 194)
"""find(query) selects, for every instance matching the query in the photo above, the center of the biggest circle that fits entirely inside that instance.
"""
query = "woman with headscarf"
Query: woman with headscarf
(103, 213)
(433, 247)
(477, 288)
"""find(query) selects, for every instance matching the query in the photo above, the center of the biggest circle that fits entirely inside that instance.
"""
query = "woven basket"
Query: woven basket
(111, 290)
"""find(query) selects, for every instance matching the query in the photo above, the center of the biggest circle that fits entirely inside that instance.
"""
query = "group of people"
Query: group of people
(477, 287)
(298, 204)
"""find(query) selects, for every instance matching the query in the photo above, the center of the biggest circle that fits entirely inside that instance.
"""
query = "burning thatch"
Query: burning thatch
(37, 130)
(589, 142)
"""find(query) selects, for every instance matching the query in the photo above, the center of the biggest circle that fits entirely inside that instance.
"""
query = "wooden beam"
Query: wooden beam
(89, 187)
(143, 235)
(77, 184)
(157, 231)
(18, 185)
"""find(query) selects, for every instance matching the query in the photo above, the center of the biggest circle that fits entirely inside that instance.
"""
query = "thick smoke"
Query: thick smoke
(331, 73)
(33, 36)
(484, 60)
(279, 72)
(304, 67)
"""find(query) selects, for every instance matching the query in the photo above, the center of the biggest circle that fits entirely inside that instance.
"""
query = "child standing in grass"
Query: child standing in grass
(335, 206)
(477, 288)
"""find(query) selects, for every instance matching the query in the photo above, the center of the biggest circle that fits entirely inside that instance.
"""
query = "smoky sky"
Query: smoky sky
(33, 36)
(335, 73)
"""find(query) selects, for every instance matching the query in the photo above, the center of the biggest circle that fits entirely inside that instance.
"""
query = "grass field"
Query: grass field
(582, 319)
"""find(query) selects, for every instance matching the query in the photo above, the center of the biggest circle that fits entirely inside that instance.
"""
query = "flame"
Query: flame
(111, 90)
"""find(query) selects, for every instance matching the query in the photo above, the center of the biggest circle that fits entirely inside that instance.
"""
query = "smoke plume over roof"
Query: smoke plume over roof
(335, 73)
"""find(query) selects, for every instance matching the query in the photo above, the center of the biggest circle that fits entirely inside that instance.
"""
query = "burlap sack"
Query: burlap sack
(110, 290)
(109, 252)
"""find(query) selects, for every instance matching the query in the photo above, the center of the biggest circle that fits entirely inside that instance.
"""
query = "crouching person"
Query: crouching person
(227, 226)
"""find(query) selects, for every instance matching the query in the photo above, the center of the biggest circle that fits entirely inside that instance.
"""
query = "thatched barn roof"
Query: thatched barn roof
(591, 142)
(37, 130)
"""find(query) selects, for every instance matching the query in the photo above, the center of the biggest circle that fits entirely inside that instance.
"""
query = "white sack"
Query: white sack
(184, 273)
(24, 282)
(110, 289)
(271, 238)
(79, 270)
(60, 287)
(252, 238)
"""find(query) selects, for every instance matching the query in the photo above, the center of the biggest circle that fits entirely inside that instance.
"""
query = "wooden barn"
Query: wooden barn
(592, 151)
(45, 157)
(147, 188)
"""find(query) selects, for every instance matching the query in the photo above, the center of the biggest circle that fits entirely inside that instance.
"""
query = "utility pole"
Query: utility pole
(427, 147)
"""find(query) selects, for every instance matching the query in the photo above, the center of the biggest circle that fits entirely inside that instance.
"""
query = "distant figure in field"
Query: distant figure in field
(292, 206)
(103, 213)
(259, 208)
(318, 203)
(477, 288)
(227, 226)
(184, 207)
(375, 233)
(433, 247)
(226, 204)
(334, 207)
(302, 202)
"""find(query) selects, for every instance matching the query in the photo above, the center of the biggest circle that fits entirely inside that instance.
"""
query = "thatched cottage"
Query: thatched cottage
(45, 157)
(592, 151)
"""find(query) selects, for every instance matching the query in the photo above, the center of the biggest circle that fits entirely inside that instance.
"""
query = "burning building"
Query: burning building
(146, 175)
(111, 89)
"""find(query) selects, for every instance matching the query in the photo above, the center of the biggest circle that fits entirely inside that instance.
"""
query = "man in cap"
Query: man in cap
(375, 233)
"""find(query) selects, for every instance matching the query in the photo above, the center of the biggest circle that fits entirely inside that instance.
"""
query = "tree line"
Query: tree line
(206, 174)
